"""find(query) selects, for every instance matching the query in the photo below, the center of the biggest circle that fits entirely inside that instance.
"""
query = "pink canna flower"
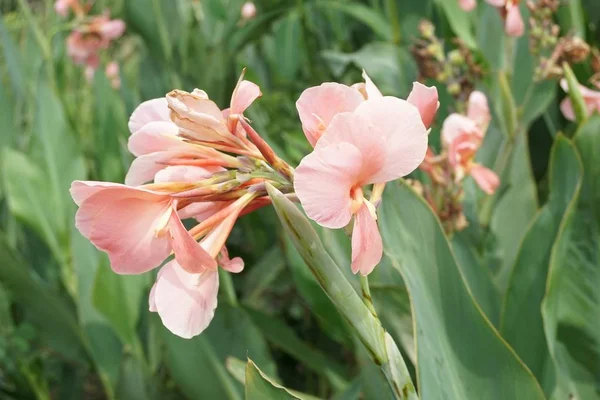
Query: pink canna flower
(62, 7)
(317, 106)
(381, 140)
(467, 5)
(590, 97)
(478, 110)
(510, 12)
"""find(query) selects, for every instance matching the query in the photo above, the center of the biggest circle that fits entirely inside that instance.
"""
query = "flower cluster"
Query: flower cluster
(360, 138)
(92, 35)
(194, 160)
(462, 136)
(458, 69)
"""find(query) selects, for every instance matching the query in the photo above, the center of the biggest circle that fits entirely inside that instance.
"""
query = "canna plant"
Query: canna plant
(405, 240)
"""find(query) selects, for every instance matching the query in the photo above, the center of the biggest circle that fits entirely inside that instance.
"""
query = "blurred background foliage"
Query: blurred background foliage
(70, 328)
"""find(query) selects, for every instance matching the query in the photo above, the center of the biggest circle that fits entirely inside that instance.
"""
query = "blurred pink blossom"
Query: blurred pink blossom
(467, 5)
(590, 97)
(510, 12)
(248, 10)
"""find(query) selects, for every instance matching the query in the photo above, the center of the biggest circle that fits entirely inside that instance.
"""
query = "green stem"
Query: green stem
(227, 286)
(392, 11)
(366, 294)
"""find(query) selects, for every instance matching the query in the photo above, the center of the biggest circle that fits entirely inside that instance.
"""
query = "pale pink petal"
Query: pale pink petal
(426, 100)
(514, 21)
(111, 30)
(152, 298)
(586, 92)
(184, 173)
(189, 254)
(234, 265)
(487, 179)
(202, 210)
(125, 223)
(62, 7)
(478, 110)
(155, 136)
(456, 125)
(186, 302)
(370, 88)
(496, 3)
(243, 96)
(566, 107)
(81, 190)
(318, 105)
(323, 181)
(144, 168)
(149, 111)
(367, 247)
(467, 5)
(405, 137)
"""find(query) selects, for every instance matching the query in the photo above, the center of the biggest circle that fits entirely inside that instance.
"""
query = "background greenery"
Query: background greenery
(507, 309)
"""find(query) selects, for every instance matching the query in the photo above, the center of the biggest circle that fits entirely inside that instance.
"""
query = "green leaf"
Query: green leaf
(27, 192)
(118, 298)
(262, 275)
(459, 20)
(374, 20)
(285, 338)
(571, 305)
(260, 387)
(12, 57)
(450, 366)
(230, 334)
(55, 321)
(514, 210)
(527, 282)
(288, 45)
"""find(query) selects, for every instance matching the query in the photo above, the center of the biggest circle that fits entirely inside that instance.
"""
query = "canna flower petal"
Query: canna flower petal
(323, 182)
(144, 168)
(188, 253)
(496, 3)
(485, 178)
(155, 136)
(243, 96)
(185, 173)
(149, 111)
(590, 97)
(81, 190)
(202, 210)
(371, 89)
(124, 222)
(514, 21)
(399, 125)
(318, 105)
(456, 125)
(367, 246)
(478, 110)
(234, 265)
(426, 100)
(113, 29)
(185, 302)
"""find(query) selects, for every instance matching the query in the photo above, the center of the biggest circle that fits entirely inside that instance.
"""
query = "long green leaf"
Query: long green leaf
(527, 282)
(460, 354)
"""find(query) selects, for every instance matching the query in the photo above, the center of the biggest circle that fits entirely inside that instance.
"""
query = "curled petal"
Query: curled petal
(186, 302)
(318, 105)
(190, 255)
(234, 265)
(323, 181)
(367, 247)
(404, 136)
(486, 179)
(243, 96)
(81, 190)
(566, 107)
(426, 100)
(149, 111)
(125, 223)
(514, 21)
(155, 136)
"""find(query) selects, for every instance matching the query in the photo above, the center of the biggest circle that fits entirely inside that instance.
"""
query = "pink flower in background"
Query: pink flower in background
(462, 137)
(318, 105)
(112, 73)
(248, 10)
(382, 139)
(510, 12)
(62, 7)
(467, 5)
(590, 97)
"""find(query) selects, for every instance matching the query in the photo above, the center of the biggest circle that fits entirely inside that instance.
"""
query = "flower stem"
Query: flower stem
(366, 294)
(227, 286)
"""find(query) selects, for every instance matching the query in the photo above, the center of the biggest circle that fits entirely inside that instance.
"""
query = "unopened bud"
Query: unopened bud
(455, 57)
(454, 88)
(427, 29)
